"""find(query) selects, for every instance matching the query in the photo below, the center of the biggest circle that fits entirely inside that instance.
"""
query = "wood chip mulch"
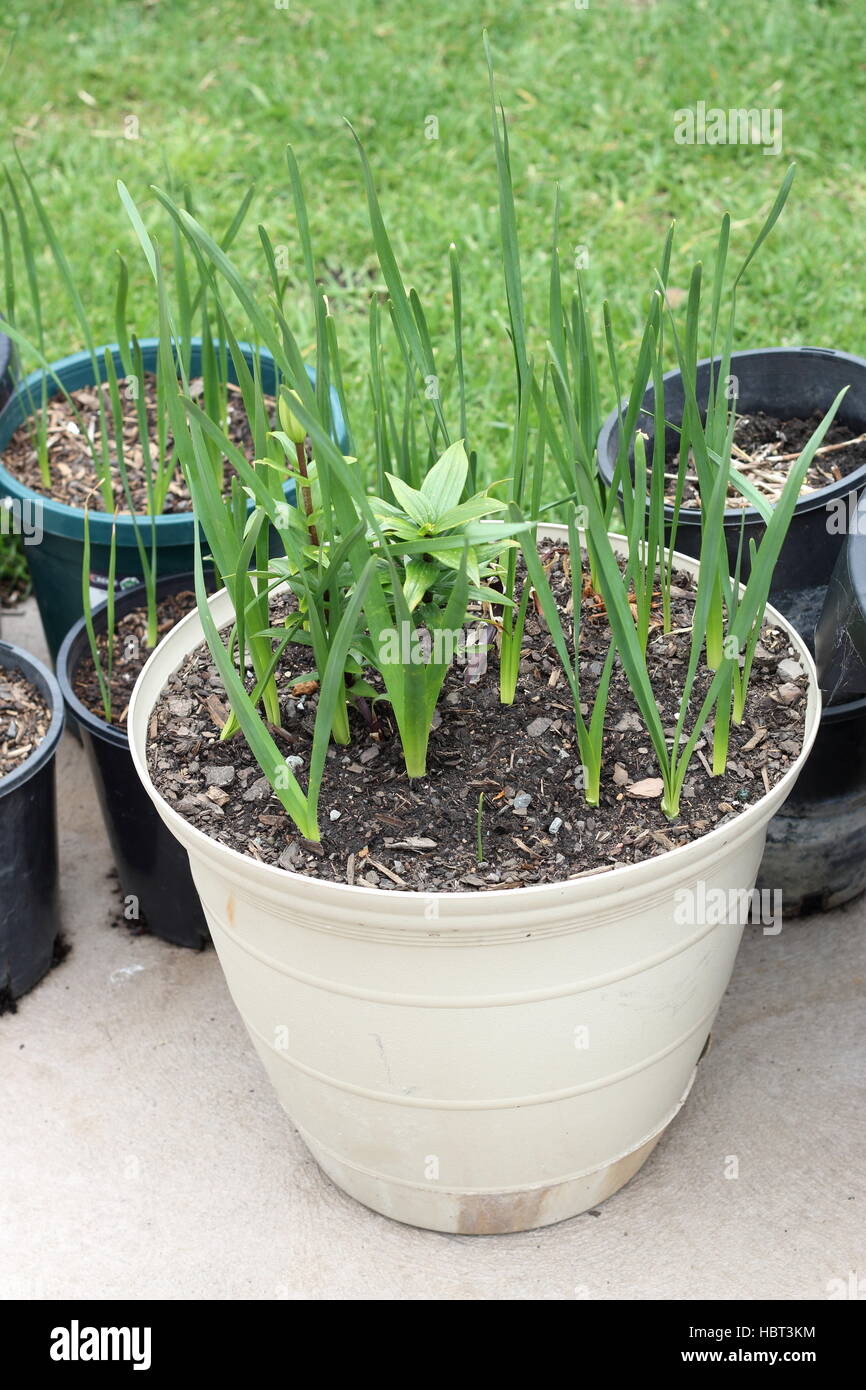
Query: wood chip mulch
(25, 719)
(765, 450)
(73, 480)
(130, 654)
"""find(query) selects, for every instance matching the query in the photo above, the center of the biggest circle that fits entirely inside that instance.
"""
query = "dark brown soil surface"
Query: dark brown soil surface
(130, 654)
(25, 719)
(380, 829)
(765, 450)
(73, 480)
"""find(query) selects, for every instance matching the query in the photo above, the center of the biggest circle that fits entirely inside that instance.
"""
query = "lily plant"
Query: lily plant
(434, 513)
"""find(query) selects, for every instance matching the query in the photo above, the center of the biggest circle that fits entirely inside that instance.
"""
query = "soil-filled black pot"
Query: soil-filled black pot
(787, 383)
(29, 913)
(152, 868)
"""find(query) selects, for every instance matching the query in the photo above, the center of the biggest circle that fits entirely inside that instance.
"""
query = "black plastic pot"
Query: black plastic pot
(151, 865)
(785, 382)
(840, 637)
(816, 846)
(8, 365)
(29, 915)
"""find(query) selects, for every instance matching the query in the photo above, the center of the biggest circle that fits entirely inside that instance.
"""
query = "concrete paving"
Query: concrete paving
(143, 1154)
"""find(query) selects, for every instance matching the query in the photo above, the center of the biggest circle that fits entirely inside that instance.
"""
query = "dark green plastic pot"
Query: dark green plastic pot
(55, 563)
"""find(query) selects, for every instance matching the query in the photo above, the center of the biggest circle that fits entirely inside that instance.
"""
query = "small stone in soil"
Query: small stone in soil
(789, 669)
(290, 856)
(259, 791)
(219, 776)
(647, 788)
(538, 727)
(628, 723)
(789, 692)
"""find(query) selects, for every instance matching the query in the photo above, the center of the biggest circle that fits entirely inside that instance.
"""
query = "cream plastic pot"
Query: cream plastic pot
(476, 1062)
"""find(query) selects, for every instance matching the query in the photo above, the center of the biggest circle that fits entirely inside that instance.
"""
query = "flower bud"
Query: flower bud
(289, 421)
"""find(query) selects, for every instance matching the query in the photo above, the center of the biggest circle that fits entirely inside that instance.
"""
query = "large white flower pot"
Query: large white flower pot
(475, 1062)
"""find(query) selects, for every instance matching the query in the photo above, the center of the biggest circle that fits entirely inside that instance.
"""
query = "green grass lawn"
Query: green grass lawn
(218, 87)
(13, 569)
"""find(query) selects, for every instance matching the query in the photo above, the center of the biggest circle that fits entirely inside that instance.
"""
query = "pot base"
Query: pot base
(469, 1212)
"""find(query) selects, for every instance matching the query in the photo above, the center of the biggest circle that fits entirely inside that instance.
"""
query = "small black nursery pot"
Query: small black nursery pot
(29, 916)
(786, 383)
(152, 868)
